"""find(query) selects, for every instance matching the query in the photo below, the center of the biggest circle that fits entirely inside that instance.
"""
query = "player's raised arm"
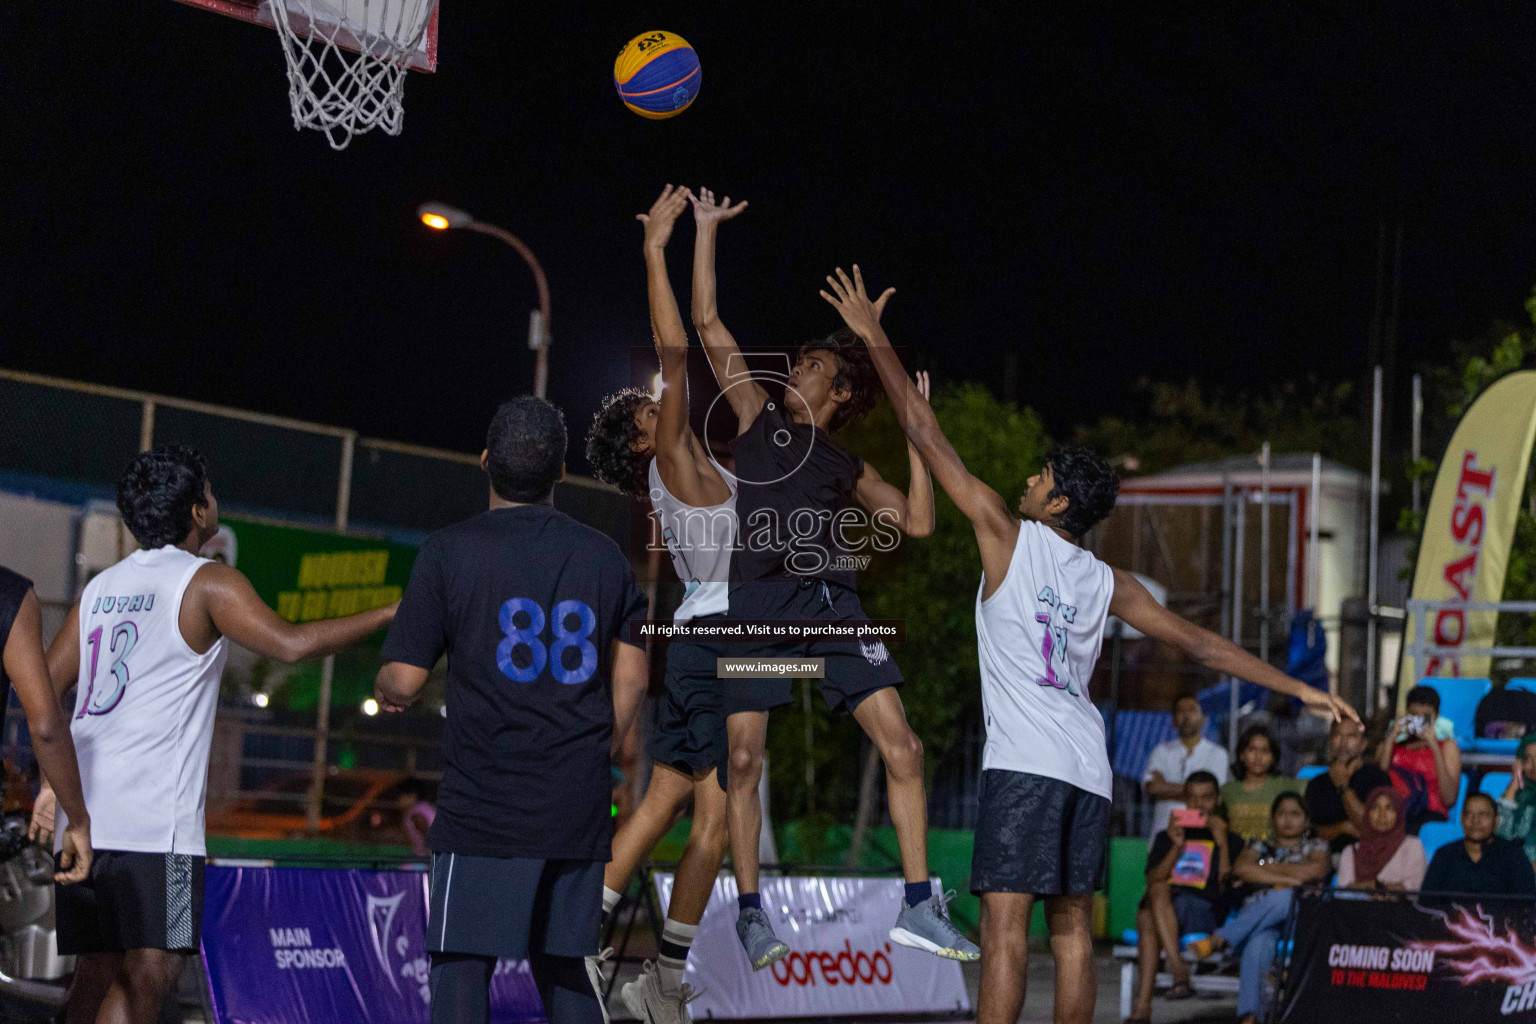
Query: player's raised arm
(233, 609)
(997, 529)
(747, 397)
(1132, 603)
(912, 512)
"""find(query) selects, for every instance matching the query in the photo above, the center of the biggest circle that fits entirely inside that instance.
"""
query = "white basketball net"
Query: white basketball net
(347, 61)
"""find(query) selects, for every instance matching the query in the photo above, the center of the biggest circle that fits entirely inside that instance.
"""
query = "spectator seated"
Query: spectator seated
(1503, 716)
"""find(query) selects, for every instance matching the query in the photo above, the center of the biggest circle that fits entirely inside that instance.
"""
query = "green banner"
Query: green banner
(313, 574)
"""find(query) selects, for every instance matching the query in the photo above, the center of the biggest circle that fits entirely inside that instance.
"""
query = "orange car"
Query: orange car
(359, 804)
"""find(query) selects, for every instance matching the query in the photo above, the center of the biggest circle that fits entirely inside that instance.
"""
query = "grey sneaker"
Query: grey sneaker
(927, 927)
(649, 1002)
(595, 966)
(757, 938)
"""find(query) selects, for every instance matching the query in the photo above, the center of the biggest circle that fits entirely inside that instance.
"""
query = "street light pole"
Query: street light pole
(441, 218)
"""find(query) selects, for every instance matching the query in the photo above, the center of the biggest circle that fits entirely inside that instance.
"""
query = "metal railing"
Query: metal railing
(1421, 650)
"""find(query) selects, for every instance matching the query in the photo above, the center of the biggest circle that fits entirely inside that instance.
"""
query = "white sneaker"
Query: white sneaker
(644, 998)
(595, 966)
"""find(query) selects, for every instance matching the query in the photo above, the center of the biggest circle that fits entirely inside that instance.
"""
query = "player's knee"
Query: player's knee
(746, 768)
(904, 757)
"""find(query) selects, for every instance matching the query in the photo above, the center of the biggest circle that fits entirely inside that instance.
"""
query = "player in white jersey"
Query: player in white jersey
(1043, 825)
(643, 444)
(145, 648)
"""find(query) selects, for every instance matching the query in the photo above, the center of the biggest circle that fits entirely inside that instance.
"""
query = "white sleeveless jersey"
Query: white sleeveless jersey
(1038, 638)
(700, 540)
(144, 704)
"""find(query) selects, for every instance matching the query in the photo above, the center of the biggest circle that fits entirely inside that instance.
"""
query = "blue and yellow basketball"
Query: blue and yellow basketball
(657, 75)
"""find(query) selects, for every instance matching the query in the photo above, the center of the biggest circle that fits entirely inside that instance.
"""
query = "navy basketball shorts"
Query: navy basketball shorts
(513, 906)
(688, 731)
(854, 669)
(132, 900)
(1038, 835)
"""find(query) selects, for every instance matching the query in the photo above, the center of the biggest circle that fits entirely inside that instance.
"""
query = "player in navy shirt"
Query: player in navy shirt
(532, 610)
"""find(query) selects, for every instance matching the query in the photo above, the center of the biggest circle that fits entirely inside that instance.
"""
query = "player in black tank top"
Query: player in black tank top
(797, 492)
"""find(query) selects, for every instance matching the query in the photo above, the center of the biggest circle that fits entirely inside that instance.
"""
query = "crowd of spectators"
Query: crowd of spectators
(1227, 856)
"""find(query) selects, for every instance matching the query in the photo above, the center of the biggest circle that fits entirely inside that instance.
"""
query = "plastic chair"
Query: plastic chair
(1524, 684)
(1436, 834)
(1458, 702)
(1311, 772)
(1494, 784)
(1461, 797)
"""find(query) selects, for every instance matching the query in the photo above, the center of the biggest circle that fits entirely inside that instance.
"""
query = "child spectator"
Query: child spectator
(1426, 769)
(1187, 869)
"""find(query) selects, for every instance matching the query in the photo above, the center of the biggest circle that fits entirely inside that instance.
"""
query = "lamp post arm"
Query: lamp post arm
(541, 357)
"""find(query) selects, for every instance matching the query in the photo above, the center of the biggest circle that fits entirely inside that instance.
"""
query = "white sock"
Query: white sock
(676, 940)
(610, 900)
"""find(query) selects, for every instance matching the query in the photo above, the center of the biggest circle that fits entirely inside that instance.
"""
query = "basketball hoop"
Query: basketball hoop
(347, 59)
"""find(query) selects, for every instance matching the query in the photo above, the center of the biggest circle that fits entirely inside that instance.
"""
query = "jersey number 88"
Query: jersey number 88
(525, 635)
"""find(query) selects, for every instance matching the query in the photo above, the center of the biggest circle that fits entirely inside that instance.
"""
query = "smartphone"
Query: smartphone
(1186, 818)
(1413, 725)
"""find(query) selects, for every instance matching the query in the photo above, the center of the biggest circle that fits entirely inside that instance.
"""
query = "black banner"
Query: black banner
(1413, 959)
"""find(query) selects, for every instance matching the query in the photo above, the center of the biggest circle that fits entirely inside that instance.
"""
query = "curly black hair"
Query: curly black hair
(855, 374)
(526, 445)
(157, 492)
(611, 440)
(1088, 484)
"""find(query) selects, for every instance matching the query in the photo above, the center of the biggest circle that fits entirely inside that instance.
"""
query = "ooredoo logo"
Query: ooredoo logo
(842, 968)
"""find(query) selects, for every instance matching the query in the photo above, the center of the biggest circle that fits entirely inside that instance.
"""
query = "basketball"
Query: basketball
(657, 75)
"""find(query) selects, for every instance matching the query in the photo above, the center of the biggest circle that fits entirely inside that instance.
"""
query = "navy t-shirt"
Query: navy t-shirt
(794, 480)
(526, 603)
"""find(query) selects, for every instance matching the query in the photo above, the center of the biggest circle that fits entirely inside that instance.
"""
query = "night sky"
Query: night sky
(1112, 194)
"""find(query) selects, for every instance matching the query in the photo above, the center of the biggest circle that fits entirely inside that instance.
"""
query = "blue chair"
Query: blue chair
(1436, 834)
(1461, 797)
(1458, 702)
(1523, 684)
(1311, 772)
(1494, 784)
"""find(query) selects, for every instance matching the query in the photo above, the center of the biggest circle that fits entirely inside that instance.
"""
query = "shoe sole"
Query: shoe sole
(597, 990)
(778, 951)
(905, 938)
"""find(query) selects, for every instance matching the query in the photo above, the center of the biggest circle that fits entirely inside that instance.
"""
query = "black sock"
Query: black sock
(749, 900)
(461, 988)
(917, 892)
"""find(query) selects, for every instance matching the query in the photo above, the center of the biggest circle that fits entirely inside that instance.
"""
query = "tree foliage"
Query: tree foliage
(1191, 422)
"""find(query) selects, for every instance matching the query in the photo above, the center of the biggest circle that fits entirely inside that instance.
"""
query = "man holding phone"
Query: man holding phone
(1187, 869)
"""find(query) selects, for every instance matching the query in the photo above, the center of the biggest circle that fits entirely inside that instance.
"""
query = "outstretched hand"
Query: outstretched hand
(1336, 708)
(852, 302)
(663, 214)
(707, 211)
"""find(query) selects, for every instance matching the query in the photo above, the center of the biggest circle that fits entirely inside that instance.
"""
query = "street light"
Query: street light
(442, 217)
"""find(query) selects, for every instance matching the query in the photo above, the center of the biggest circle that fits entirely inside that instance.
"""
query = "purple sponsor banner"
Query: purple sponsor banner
(288, 945)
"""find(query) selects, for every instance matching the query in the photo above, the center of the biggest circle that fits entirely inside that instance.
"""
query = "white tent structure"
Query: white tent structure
(1241, 546)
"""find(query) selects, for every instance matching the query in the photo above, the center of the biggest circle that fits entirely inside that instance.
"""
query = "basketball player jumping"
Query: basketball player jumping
(533, 611)
(796, 491)
(146, 645)
(645, 446)
(1043, 827)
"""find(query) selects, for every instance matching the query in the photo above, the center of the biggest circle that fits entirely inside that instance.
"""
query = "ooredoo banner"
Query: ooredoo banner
(286, 945)
(842, 961)
(1411, 960)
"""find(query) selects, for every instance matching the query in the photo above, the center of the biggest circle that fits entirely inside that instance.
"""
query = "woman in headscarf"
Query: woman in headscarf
(1517, 807)
(1386, 857)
